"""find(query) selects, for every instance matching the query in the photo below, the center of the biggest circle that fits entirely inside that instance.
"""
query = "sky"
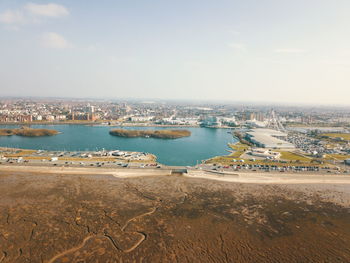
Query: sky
(282, 51)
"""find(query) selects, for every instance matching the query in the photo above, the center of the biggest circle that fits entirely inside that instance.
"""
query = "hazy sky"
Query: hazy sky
(241, 50)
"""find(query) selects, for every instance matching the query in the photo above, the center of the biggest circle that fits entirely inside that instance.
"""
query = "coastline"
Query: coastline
(70, 214)
(237, 177)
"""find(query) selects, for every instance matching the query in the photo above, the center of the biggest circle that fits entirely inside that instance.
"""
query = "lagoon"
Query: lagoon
(203, 143)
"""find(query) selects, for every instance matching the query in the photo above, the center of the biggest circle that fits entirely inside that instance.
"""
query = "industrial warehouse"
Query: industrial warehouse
(268, 138)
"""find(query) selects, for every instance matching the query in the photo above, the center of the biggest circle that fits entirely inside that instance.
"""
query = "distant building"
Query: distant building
(61, 117)
(210, 121)
(228, 121)
(256, 124)
(261, 152)
(260, 117)
(38, 118)
(49, 117)
(140, 118)
(25, 118)
(179, 121)
(268, 138)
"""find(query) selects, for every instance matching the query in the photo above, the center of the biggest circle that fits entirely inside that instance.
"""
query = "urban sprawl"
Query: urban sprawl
(273, 138)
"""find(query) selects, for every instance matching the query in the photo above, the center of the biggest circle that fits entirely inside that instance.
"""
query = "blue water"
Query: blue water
(202, 144)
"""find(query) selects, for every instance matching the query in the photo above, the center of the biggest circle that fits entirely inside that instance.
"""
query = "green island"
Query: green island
(28, 132)
(160, 134)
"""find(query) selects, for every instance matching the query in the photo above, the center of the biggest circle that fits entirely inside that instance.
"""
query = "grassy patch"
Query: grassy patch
(337, 157)
(236, 154)
(239, 148)
(291, 156)
(161, 134)
(227, 160)
(20, 153)
(345, 136)
(28, 132)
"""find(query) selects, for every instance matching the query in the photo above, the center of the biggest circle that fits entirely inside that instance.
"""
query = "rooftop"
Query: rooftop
(267, 138)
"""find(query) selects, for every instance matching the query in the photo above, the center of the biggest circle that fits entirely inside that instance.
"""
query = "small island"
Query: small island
(28, 132)
(159, 134)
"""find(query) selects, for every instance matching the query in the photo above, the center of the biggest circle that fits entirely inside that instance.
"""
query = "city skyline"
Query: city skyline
(290, 52)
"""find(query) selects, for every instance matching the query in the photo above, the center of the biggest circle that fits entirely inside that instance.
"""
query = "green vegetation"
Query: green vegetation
(20, 153)
(28, 132)
(337, 157)
(292, 156)
(287, 158)
(223, 160)
(341, 136)
(160, 134)
(239, 148)
(229, 160)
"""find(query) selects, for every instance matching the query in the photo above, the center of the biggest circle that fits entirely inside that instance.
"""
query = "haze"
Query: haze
(272, 50)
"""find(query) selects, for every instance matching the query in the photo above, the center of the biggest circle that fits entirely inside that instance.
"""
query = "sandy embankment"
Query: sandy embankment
(239, 177)
(116, 172)
(272, 178)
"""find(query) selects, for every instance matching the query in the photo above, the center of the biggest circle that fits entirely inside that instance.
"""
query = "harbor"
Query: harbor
(203, 143)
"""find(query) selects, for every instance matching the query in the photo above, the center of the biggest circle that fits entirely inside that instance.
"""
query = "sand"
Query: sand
(129, 215)
(237, 177)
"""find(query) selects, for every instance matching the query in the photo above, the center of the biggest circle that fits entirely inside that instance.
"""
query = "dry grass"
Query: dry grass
(345, 136)
(236, 154)
(21, 153)
(337, 157)
(292, 156)
(161, 134)
(28, 132)
(239, 148)
(228, 160)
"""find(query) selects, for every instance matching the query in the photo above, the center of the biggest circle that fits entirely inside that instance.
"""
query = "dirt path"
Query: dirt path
(142, 238)
(71, 250)
(3, 256)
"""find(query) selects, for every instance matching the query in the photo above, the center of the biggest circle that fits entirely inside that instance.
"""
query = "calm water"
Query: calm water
(202, 144)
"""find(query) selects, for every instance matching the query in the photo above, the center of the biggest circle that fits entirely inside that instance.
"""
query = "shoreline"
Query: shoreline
(70, 214)
(237, 177)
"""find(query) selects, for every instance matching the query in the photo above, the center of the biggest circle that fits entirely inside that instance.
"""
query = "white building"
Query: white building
(256, 124)
(141, 118)
(268, 138)
(264, 153)
(38, 118)
(180, 121)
